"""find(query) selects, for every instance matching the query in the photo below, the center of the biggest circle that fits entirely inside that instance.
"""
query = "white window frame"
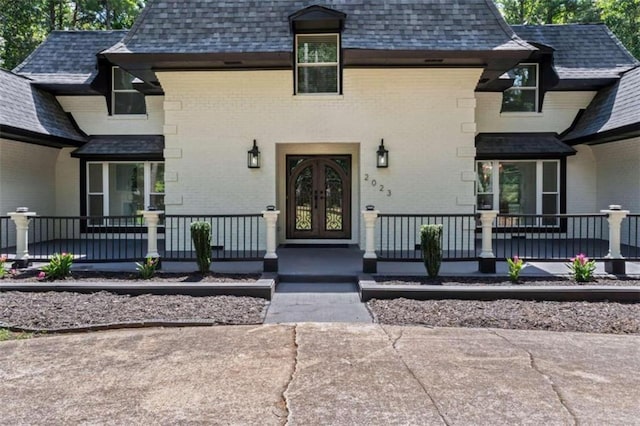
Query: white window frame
(318, 64)
(495, 183)
(535, 88)
(105, 182)
(115, 91)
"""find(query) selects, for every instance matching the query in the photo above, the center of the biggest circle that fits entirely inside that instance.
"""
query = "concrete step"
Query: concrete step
(317, 278)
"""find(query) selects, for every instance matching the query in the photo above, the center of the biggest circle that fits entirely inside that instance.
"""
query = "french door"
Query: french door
(319, 196)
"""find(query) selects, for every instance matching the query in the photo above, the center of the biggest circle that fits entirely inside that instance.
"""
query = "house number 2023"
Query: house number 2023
(374, 183)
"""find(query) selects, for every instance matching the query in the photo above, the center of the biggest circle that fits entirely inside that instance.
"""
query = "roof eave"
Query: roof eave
(28, 136)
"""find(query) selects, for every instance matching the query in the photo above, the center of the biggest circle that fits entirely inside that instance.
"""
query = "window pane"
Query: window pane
(318, 79)
(550, 206)
(129, 103)
(122, 80)
(485, 201)
(126, 189)
(523, 76)
(317, 49)
(95, 178)
(518, 100)
(157, 177)
(549, 176)
(96, 205)
(485, 177)
(157, 201)
(518, 188)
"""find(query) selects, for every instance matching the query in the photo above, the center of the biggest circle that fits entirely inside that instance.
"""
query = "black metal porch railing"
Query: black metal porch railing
(234, 237)
(7, 235)
(550, 237)
(88, 238)
(630, 237)
(398, 236)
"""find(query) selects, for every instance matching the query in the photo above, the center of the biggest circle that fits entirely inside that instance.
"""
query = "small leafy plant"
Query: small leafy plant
(431, 244)
(147, 269)
(201, 236)
(58, 268)
(515, 267)
(582, 268)
(3, 261)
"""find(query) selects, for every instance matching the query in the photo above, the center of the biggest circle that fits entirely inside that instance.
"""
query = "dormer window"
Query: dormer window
(125, 99)
(317, 64)
(523, 95)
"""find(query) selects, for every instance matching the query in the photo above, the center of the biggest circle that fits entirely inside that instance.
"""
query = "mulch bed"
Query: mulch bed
(501, 281)
(66, 309)
(586, 317)
(97, 276)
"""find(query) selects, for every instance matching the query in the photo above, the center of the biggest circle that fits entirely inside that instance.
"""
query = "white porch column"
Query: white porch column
(615, 262)
(369, 262)
(487, 263)
(151, 219)
(22, 217)
(271, 257)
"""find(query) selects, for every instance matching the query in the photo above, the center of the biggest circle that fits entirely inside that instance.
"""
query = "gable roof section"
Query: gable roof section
(582, 51)
(68, 57)
(613, 114)
(32, 115)
(244, 26)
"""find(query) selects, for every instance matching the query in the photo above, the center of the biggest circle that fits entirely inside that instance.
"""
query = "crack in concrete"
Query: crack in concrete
(424, 388)
(294, 370)
(534, 366)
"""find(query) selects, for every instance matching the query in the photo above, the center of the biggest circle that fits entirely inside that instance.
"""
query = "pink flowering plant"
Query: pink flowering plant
(582, 268)
(515, 267)
(147, 269)
(58, 268)
(3, 261)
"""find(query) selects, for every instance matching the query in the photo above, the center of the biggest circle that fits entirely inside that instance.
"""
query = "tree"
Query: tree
(623, 18)
(25, 24)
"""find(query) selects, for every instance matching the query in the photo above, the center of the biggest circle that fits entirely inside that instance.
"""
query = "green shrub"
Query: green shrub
(147, 269)
(515, 267)
(59, 267)
(431, 244)
(582, 268)
(3, 261)
(201, 236)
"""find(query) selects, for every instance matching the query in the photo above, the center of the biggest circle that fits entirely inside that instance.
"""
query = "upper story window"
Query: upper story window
(125, 99)
(523, 95)
(317, 64)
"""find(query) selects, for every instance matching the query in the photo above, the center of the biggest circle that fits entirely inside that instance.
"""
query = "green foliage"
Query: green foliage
(515, 267)
(9, 335)
(431, 244)
(24, 24)
(59, 267)
(147, 269)
(201, 236)
(3, 261)
(582, 268)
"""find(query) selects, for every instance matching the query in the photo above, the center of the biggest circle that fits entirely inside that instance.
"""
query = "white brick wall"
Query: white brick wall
(618, 174)
(90, 112)
(27, 177)
(581, 181)
(67, 184)
(425, 116)
(558, 112)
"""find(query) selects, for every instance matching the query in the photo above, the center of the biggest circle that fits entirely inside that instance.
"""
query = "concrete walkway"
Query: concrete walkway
(316, 302)
(322, 374)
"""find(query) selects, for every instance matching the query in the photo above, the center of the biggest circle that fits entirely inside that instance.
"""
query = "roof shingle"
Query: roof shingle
(30, 109)
(241, 26)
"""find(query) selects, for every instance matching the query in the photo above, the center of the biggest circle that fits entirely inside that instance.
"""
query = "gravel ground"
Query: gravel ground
(586, 317)
(501, 281)
(96, 276)
(66, 309)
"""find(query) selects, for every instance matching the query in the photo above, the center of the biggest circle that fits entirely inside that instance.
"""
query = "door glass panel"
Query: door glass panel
(303, 196)
(518, 189)
(549, 176)
(95, 178)
(96, 209)
(333, 200)
(126, 189)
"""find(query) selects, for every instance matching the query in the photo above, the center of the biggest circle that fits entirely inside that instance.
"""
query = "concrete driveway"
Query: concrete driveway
(337, 374)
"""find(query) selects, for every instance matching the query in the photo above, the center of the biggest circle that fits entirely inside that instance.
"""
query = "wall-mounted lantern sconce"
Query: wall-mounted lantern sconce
(253, 157)
(382, 155)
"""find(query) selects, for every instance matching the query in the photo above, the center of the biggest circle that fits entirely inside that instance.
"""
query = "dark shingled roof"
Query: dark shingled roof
(68, 57)
(582, 51)
(122, 146)
(520, 145)
(217, 26)
(613, 108)
(24, 108)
